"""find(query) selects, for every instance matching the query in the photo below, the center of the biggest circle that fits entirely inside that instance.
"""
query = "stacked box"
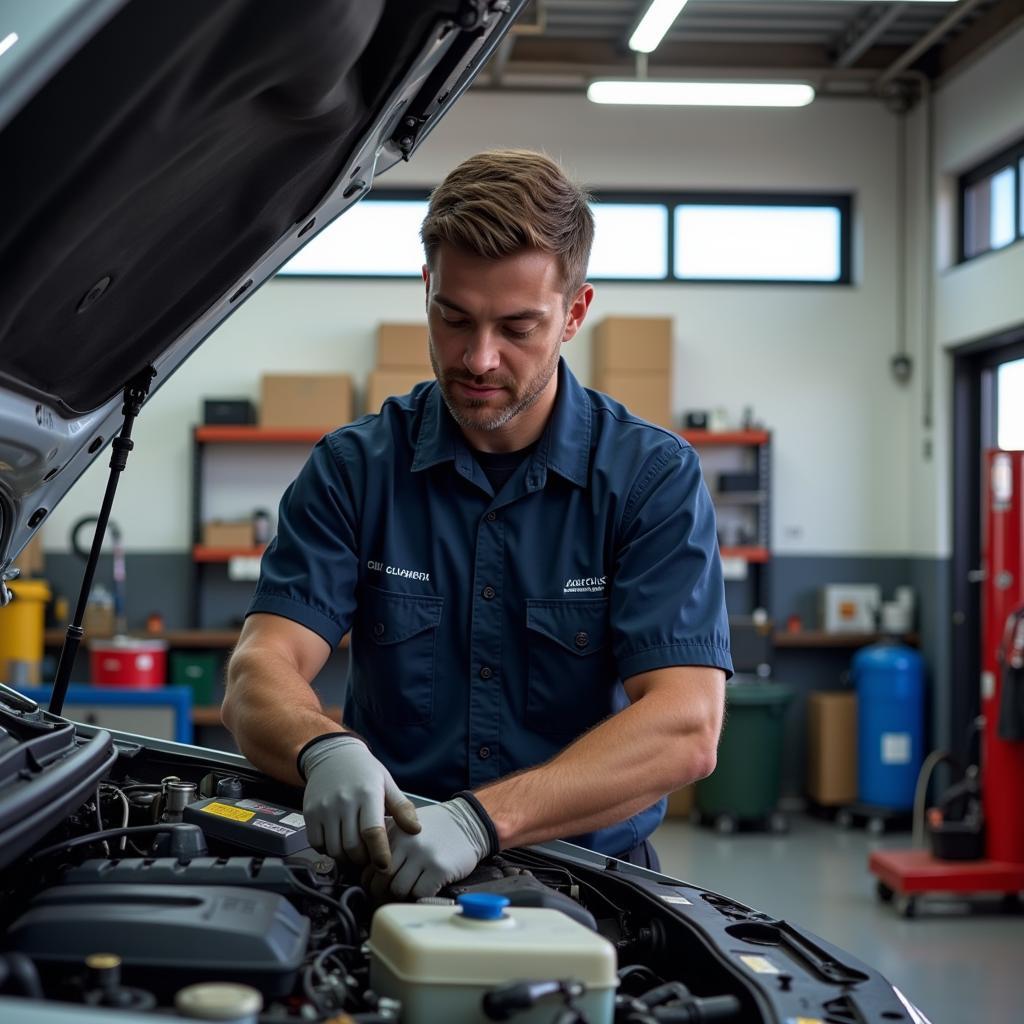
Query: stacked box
(403, 361)
(321, 401)
(632, 362)
(832, 748)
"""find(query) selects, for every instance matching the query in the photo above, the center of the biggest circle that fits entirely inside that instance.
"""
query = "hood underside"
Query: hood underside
(172, 160)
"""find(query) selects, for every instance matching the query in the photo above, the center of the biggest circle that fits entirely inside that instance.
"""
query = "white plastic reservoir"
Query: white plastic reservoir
(441, 961)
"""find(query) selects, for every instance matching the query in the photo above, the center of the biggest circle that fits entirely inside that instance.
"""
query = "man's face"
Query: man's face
(496, 328)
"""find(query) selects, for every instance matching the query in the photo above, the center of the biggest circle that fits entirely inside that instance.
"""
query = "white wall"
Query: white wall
(978, 113)
(812, 361)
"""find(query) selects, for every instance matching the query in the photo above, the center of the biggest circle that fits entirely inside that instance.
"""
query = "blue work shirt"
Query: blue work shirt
(490, 630)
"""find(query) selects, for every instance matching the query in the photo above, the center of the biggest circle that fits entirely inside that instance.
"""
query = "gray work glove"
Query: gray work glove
(348, 792)
(456, 836)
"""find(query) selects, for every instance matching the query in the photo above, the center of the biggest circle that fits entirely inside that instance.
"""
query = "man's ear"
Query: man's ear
(426, 283)
(578, 311)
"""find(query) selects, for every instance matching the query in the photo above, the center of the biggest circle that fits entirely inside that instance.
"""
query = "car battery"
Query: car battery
(271, 830)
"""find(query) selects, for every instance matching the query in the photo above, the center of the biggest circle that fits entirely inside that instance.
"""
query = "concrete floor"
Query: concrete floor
(959, 963)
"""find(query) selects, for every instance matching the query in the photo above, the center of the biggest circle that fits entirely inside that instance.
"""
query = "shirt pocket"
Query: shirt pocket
(393, 655)
(570, 679)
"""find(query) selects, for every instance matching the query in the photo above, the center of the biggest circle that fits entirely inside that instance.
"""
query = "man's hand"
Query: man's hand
(453, 841)
(348, 792)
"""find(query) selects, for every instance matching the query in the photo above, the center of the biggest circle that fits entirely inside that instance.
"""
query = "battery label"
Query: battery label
(295, 820)
(255, 805)
(272, 826)
(895, 748)
(227, 811)
(760, 964)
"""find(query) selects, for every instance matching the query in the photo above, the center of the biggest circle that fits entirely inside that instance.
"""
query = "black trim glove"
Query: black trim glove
(348, 793)
(455, 837)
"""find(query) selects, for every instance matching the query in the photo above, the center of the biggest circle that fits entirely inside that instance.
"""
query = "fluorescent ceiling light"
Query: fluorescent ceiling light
(657, 20)
(7, 42)
(651, 92)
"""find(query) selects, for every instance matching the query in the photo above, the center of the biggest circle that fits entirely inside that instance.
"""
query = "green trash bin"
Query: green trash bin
(197, 670)
(744, 787)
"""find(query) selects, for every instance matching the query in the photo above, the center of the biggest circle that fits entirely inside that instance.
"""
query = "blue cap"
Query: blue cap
(483, 906)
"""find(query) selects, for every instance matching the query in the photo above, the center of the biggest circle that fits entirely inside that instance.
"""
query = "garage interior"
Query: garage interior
(855, 393)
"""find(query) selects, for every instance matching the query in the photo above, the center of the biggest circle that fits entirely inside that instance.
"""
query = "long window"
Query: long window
(657, 237)
(992, 204)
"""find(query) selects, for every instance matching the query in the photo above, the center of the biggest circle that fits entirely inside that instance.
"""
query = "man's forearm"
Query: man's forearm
(617, 769)
(272, 712)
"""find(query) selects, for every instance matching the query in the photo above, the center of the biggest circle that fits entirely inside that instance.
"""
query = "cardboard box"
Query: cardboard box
(322, 400)
(832, 748)
(633, 343)
(403, 347)
(680, 803)
(235, 534)
(382, 384)
(645, 394)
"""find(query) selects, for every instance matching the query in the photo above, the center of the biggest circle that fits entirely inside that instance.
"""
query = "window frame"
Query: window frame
(1012, 156)
(670, 200)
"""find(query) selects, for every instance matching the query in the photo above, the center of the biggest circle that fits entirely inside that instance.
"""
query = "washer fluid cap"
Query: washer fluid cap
(483, 906)
(219, 1000)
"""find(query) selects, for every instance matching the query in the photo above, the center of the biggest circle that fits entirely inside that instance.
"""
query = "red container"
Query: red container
(126, 661)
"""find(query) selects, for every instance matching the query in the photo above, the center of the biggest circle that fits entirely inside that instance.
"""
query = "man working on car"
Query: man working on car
(530, 575)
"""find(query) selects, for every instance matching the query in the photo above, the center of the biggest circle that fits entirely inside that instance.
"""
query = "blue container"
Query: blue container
(890, 724)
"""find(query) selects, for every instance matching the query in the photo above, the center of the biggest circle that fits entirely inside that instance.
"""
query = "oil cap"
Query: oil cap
(483, 906)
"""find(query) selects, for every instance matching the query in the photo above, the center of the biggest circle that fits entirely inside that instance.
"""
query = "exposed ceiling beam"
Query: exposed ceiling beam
(606, 57)
(927, 41)
(980, 36)
(865, 31)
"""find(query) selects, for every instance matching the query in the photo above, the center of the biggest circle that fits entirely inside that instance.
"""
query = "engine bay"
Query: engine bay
(153, 887)
(142, 879)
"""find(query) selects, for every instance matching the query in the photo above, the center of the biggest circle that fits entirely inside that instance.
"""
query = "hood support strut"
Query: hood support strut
(135, 393)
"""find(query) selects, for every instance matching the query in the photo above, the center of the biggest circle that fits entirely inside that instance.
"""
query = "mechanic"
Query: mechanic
(530, 575)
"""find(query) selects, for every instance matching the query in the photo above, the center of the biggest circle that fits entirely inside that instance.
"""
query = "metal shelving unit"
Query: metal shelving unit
(756, 555)
(202, 437)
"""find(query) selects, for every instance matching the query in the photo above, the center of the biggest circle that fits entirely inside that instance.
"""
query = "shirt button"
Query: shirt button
(582, 640)
(483, 753)
(491, 516)
(378, 629)
(486, 672)
(489, 593)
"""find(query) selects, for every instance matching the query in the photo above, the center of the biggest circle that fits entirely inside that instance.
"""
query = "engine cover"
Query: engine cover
(166, 935)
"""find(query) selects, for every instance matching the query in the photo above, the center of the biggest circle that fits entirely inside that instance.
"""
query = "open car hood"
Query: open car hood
(160, 162)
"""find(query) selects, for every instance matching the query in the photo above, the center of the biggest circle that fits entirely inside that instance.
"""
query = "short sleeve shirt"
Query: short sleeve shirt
(489, 630)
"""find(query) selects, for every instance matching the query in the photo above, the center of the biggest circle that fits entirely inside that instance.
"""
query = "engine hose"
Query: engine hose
(924, 777)
(19, 969)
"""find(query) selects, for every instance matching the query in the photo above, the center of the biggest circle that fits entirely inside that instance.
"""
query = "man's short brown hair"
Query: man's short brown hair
(505, 200)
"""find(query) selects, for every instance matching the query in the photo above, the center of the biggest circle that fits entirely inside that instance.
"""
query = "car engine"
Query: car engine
(153, 893)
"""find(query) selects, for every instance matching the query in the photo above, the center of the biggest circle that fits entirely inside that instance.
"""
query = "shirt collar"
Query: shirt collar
(564, 446)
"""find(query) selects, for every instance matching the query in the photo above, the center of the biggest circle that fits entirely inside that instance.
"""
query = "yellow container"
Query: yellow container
(22, 625)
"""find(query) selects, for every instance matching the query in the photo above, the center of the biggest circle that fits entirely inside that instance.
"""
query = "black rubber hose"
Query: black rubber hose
(19, 969)
(111, 833)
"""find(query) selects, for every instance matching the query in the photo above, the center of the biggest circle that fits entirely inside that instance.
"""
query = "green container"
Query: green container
(198, 671)
(745, 784)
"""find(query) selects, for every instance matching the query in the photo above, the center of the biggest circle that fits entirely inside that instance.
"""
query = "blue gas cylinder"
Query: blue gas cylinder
(890, 724)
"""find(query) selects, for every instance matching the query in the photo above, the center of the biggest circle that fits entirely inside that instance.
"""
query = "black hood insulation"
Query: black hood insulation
(171, 152)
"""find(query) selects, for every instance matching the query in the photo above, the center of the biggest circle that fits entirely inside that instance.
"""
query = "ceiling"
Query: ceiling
(842, 46)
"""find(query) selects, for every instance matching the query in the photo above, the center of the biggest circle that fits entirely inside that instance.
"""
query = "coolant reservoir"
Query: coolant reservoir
(440, 962)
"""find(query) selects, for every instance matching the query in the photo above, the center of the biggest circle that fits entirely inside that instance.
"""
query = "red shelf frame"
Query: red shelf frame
(749, 554)
(696, 437)
(200, 553)
(259, 435)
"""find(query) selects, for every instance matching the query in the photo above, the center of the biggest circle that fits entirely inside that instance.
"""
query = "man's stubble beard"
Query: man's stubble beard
(500, 417)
